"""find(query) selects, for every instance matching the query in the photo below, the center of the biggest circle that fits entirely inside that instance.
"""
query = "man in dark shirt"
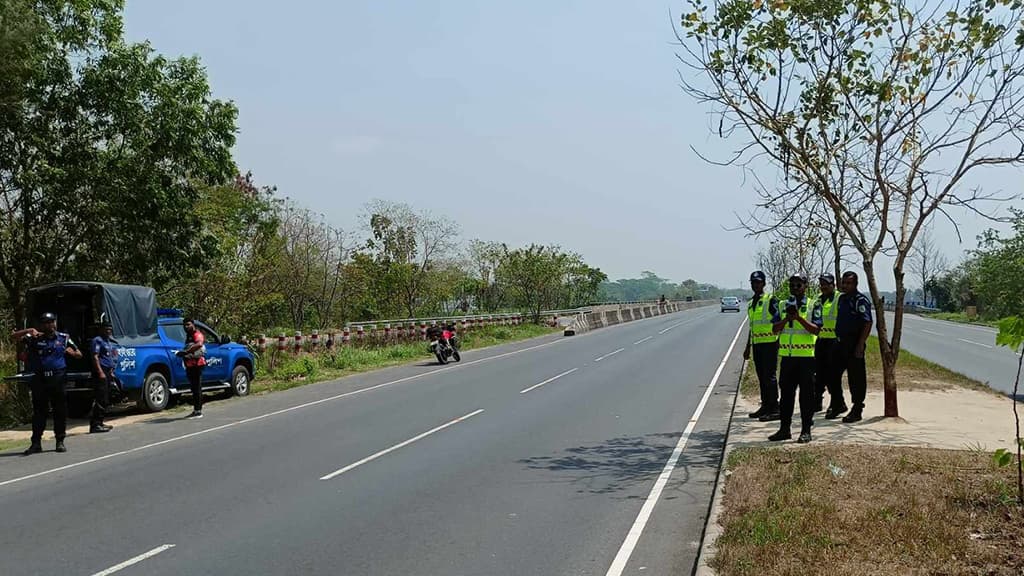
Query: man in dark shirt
(853, 326)
(47, 349)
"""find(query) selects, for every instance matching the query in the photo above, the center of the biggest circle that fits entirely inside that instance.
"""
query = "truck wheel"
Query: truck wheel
(155, 393)
(240, 381)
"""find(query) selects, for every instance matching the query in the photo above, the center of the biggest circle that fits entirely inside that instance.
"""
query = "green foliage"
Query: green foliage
(998, 270)
(544, 277)
(104, 146)
(652, 287)
(1011, 332)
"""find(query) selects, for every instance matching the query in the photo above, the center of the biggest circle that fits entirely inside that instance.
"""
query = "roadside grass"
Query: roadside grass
(912, 373)
(308, 368)
(962, 318)
(854, 510)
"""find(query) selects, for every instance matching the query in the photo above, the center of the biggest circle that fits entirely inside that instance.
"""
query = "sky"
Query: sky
(526, 122)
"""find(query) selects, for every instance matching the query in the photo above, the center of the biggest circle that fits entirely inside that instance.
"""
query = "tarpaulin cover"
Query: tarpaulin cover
(131, 310)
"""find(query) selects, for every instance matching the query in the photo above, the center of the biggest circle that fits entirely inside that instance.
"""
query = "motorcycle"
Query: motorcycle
(445, 350)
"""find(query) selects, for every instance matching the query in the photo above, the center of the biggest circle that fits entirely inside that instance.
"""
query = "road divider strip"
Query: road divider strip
(135, 560)
(373, 457)
(613, 353)
(552, 379)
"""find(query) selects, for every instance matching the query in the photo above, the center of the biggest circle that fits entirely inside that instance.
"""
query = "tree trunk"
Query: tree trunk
(888, 353)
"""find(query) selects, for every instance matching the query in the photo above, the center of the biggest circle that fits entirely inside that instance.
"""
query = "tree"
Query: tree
(484, 259)
(230, 290)
(533, 276)
(408, 244)
(926, 261)
(880, 109)
(997, 267)
(311, 265)
(104, 147)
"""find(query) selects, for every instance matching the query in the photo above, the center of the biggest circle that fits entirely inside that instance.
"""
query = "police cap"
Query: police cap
(827, 278)
(48, 317)
(758, 276)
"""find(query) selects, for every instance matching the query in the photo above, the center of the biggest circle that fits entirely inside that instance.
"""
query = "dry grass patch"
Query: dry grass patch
(851, 510)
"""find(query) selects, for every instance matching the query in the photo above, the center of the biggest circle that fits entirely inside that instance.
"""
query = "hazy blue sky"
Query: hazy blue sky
(534, 121)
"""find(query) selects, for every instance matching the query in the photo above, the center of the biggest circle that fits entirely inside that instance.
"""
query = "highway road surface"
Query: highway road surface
(965, 348)
(593, 454)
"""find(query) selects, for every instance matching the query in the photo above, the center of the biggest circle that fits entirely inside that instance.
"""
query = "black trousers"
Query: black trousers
(797, 373)
(195, 380)
(47, 392)
(101, 396)
(766, 360)
(826, 372)
(855, 369)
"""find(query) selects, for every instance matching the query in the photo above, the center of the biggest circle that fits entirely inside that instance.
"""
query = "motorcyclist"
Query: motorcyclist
(449, 336)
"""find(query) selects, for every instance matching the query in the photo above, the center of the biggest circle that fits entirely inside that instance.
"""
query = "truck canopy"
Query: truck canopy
(79, 306)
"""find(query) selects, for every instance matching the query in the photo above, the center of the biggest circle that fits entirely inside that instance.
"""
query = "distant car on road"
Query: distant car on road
(730, 303)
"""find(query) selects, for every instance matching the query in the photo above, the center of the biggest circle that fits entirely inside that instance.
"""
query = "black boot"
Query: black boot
(61, 447)
(834, 411)
(99, 428)
(35, 448)
(804, 438)
(854, 416)
(780, 436)
(757, 413)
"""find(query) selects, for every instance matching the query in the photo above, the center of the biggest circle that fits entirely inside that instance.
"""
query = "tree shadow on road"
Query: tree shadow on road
(628, 466)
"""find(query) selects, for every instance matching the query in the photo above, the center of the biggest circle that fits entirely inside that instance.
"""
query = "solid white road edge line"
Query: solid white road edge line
(135, 560)
(552, 379)
(633, 537)
(373, 457)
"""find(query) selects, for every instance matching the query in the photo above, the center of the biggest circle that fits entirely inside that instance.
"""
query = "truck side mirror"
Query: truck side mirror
(225, 339)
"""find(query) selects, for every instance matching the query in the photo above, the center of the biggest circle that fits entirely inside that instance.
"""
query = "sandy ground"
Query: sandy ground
(956, 419)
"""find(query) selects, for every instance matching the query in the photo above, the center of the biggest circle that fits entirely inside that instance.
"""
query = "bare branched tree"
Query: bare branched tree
(927, 261)
(880, 109)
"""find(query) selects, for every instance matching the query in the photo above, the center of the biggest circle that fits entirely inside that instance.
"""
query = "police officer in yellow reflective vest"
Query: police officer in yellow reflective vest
(798, 332)
(763, 313)
(826, 373)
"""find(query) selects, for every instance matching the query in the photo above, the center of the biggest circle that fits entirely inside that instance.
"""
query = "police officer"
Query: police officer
(762, 313)
(104, 359)
(825, 372)
(853, 326)
(47, 349)
(798, 332)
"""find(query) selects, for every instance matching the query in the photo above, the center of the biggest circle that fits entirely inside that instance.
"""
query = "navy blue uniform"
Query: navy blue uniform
(105, 351)
(46, 361)
(854, 314)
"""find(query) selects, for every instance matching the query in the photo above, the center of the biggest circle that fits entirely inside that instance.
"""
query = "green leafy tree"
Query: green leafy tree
(104, 149)
(880, 109)
(998, 270)
(533, 277)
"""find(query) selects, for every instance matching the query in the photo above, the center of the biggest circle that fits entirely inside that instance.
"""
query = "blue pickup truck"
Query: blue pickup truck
(149, 372)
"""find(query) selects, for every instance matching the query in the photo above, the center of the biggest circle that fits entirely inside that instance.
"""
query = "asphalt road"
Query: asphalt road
(595, 454)
(965, 348)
